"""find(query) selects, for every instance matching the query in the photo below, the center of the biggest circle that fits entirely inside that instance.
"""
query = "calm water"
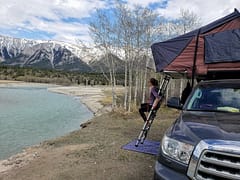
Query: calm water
(30, 115)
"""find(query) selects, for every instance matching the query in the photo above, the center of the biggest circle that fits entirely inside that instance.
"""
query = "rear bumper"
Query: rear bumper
(162, 172)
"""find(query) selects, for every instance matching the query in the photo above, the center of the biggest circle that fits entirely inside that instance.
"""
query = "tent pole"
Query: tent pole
(195, 58)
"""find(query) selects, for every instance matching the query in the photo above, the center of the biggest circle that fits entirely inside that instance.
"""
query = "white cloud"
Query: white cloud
(207, 10)
(47, 15)
(143, 3)
(77, 8)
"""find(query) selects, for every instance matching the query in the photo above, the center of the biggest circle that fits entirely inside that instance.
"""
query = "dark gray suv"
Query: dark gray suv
(204, 141)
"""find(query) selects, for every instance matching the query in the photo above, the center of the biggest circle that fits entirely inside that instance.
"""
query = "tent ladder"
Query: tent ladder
(152, 114)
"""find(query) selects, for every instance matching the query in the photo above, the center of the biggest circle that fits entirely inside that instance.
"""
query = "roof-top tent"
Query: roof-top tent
(210, 50)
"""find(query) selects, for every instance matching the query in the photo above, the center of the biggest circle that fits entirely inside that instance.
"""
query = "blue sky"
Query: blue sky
(67, 20)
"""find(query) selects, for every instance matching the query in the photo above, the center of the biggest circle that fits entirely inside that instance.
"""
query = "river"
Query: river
(30, 115)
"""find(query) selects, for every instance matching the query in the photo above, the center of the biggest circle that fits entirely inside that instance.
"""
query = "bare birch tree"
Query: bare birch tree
(101, 30)
(152, 28)
(188, 21)
(122, 14)
(129, 33)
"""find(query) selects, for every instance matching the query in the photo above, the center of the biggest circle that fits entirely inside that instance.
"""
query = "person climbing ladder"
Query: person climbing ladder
(154, 99)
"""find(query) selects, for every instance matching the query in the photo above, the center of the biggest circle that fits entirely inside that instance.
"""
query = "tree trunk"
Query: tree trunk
(136, 88)
(114, 96)
(145, 81)
(126, 85)
(130, 88)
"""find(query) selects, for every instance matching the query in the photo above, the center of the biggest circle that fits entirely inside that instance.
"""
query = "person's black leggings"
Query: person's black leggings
(146, 107)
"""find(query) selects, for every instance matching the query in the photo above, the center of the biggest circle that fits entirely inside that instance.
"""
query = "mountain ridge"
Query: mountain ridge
(41, 54)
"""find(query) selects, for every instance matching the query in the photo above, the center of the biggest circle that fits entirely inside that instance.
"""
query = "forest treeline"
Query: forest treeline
(55, 77)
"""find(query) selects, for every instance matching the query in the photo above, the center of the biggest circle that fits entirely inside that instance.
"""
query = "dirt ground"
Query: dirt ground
(93, 152)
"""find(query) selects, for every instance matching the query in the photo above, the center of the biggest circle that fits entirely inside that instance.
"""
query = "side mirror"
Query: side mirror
(174, 102)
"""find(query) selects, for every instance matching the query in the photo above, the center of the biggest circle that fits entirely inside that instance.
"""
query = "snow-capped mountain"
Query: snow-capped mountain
(41, 54)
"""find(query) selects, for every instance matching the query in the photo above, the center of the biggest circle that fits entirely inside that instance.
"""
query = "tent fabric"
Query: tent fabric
(165, 52)
(184, 62)
(222, 47)
(177, 54)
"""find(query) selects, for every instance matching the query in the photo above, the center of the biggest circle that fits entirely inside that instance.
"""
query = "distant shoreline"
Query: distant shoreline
(90, 96)
(7, 83)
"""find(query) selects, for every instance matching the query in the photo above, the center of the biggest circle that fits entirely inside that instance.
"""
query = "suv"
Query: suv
(204, 142)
